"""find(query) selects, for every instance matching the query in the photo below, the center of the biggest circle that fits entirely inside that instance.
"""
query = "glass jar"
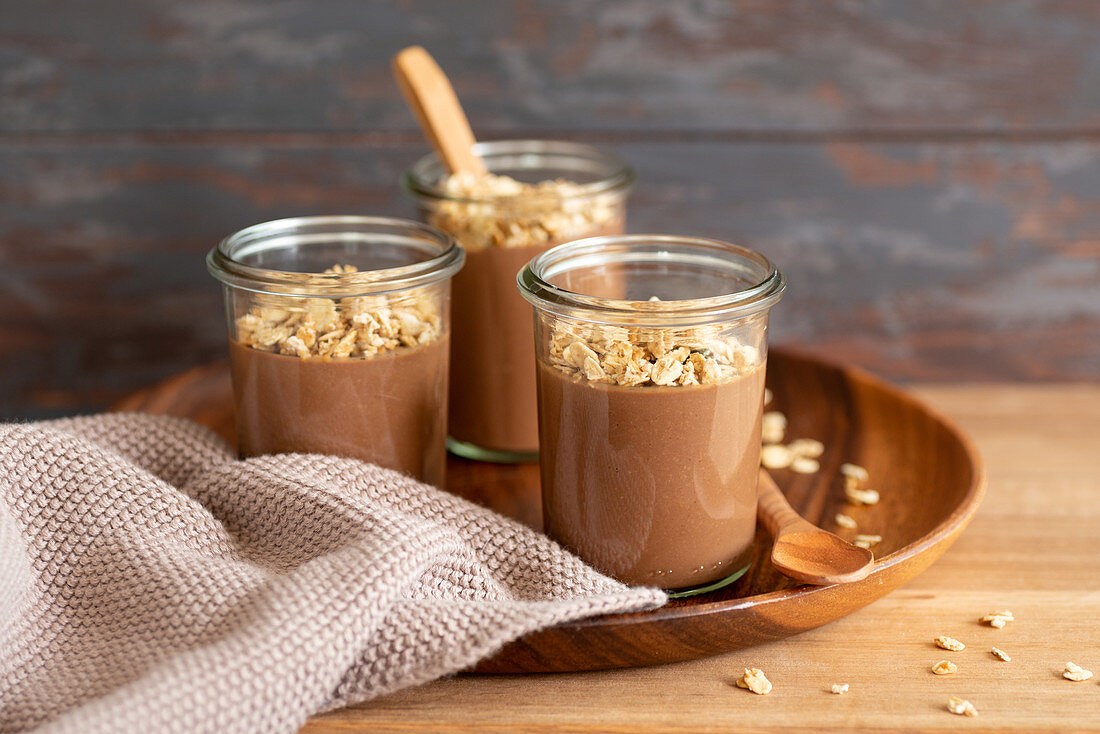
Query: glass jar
(651, 354)
(339, 338)
(502, 224)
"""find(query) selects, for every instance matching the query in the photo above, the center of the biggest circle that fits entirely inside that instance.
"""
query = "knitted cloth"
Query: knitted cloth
(152, 582)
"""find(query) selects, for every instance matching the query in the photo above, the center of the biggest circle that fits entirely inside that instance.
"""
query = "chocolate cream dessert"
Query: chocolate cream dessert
(503, 223)
(650, 451)
(360, 377)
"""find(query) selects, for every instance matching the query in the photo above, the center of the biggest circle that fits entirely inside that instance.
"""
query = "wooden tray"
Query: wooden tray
(928, 474)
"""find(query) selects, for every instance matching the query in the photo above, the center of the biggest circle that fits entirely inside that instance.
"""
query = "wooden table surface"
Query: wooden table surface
(1034, 548)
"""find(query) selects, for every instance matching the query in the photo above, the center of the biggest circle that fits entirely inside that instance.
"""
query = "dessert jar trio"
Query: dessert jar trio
(638, 384)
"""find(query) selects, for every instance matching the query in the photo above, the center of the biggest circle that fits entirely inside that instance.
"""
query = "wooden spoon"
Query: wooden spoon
(433, 99)
(803, 551)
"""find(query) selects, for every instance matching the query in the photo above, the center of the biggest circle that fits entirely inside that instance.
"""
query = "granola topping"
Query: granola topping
(649, 357)
(346, 328)
(490, 210)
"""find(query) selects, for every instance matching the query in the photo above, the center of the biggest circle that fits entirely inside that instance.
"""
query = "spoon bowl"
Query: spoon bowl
(804, 552)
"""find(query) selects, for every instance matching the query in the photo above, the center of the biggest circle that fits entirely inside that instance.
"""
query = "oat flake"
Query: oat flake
(855, 472)
(775, 456)
(960, 706)
(861, 496)
(1075, 672)
(804, 465)
(755, 681)
(949, 643)
(845, 521)
(945, 667)
(998, 619)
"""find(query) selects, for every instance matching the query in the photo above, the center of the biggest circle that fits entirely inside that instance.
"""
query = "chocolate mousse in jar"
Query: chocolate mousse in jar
(651, 353)
(339, 338)
(537, 194)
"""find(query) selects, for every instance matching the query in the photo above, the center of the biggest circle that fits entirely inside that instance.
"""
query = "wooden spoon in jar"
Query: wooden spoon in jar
(803, 551)
(433, 99)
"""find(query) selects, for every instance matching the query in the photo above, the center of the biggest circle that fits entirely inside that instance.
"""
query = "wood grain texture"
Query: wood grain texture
(929, 476)
(918, 261)
(926, 172)
(748, 65)
(1031, 549)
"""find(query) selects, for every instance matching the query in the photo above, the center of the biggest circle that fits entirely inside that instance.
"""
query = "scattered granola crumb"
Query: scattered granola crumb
(859, 496)
(845, 521)
(1075, 672)
(867, 541)
(854, 471)
(776, 456)
(767, 396)
(998, 619)
(804, 465)
(855, 489)
(949, 643)
(773, 427)
(999, 653)
(961, 707)
(799, 455)
(755, 681)
(945, 667)
(808, 447)
(839, 688)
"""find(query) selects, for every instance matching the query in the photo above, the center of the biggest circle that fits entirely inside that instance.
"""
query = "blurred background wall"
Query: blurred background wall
(926, 173)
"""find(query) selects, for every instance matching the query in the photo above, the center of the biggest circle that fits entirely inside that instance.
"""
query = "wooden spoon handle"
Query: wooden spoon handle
(772, 507)
(433, 99)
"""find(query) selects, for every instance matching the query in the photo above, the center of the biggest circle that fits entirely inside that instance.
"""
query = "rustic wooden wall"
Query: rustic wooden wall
(926, 172)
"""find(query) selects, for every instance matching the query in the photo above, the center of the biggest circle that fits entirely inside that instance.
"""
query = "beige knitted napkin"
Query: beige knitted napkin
(151, 582)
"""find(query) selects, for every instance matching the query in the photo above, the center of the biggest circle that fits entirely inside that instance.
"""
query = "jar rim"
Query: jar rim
(444, 256)
(535, 286)
(421, 181)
